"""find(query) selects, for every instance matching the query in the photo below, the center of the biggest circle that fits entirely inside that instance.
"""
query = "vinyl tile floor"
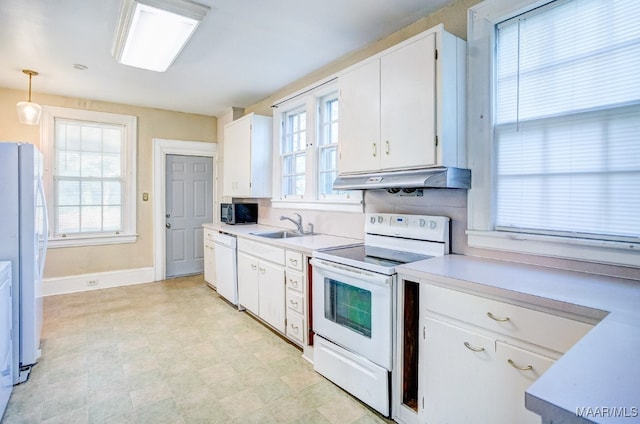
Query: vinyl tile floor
(170, 352)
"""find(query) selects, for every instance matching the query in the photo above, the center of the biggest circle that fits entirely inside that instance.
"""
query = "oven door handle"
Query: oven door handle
(371, 277)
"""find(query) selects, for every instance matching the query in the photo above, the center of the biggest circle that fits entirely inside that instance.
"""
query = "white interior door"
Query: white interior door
(189, 204)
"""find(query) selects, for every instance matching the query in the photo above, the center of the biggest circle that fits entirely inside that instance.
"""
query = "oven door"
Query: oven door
(354, 309)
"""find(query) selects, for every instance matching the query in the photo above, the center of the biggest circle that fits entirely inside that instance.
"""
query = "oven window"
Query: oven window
(348, 306)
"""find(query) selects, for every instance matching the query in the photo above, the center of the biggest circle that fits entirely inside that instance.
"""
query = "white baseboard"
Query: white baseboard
(96, 281)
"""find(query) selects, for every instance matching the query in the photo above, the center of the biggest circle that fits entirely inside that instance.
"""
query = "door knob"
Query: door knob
(168, 225)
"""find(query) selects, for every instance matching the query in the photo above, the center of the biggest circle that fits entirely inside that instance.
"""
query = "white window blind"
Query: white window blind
(567, 126)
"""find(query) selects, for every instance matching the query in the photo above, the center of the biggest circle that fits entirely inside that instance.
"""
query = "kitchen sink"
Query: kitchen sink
(278, 234)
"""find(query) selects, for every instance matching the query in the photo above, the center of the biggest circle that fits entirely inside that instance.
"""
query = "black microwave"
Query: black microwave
(239, 213)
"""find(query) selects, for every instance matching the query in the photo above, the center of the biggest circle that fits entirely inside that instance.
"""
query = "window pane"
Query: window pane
(111, 165)
(91, 165)
(68, 193)
(112, 193)
(91, 218)
(68, 164)
(112, 219)
(91, 139)
(91, 192)
(112, 140)
(68, 220)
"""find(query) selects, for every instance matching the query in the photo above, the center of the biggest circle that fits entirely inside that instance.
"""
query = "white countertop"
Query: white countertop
(602, 370)
(305, 244)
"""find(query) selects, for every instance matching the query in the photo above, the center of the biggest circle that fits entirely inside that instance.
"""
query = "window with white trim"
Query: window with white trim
(293, 153)
(328, 146)
(90, 176)
(306, 136)
(561, 151)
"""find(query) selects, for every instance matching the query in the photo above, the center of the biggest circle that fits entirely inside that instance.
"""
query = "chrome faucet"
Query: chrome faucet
(297, 222)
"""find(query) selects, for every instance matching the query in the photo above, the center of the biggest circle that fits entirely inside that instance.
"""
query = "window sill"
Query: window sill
(598, 251)
(355, 206)
(61, 242)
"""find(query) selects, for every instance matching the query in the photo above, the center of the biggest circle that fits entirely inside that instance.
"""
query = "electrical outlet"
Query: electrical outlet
(92, 283)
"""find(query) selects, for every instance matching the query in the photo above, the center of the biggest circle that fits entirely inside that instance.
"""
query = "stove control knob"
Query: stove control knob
(372, 219)
(380, 219)
(433, 225)
(422, 222)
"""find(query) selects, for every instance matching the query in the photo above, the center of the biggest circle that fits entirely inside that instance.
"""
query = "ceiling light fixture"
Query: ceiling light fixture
(29, 112)
(151, 33)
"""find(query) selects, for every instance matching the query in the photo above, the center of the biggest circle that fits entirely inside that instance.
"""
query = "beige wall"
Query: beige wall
(152, 123)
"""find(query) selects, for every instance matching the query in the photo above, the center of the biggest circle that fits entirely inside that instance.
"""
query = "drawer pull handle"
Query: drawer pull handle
(294, 283)
(294, 303)
(293, 261)
(254, 267)
(516, 366)
(495, 318)
(474, 349)
(262, 270)
(375, 150)
(294, 328)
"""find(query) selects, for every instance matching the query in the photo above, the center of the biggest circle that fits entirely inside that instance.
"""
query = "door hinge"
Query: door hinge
(436, 54)
(423, 403)
(436, 141)
(424, 332)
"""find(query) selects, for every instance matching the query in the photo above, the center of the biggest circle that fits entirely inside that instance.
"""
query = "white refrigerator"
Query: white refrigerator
(23, 242)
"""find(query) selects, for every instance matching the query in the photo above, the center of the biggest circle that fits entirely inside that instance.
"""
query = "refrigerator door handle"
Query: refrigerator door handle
(45, 230)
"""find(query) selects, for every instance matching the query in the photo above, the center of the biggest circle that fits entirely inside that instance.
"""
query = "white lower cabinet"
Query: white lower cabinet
(248, 286)
(516, 369)
(474, 357)
(271, 299)
(458, 365)
(271, 290)
(261, 288)
(209, 258)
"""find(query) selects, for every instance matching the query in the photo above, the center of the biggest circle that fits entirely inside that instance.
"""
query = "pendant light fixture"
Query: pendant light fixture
(29, 112)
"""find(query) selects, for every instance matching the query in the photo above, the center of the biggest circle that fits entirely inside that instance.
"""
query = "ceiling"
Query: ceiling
(244, 50)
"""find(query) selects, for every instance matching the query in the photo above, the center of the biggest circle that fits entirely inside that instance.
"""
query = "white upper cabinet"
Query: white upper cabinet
(404, 108)
(247, 157)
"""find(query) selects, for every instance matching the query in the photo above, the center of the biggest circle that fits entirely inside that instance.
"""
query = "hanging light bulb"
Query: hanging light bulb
(29, 112)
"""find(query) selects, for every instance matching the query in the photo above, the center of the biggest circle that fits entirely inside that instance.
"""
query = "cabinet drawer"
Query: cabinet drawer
(294, 260)
(540, 328)
(262, 251)
(295, 301)
(295, 281)
(208, 234)
(295, 327)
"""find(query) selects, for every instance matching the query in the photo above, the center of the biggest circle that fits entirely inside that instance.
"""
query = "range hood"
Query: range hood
(437, 177)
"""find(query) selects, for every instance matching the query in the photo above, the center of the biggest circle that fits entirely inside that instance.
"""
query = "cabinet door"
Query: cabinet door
(272, 295)
(209, 262)
(455, 371)
(359, 139)
(516, 370)
(237, 158)
(408, 102)
(248, 288)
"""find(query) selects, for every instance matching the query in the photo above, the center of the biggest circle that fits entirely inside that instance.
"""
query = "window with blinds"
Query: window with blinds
(567, 120)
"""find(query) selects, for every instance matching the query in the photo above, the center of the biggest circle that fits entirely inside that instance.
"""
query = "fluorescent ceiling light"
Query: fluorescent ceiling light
(151, 33)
